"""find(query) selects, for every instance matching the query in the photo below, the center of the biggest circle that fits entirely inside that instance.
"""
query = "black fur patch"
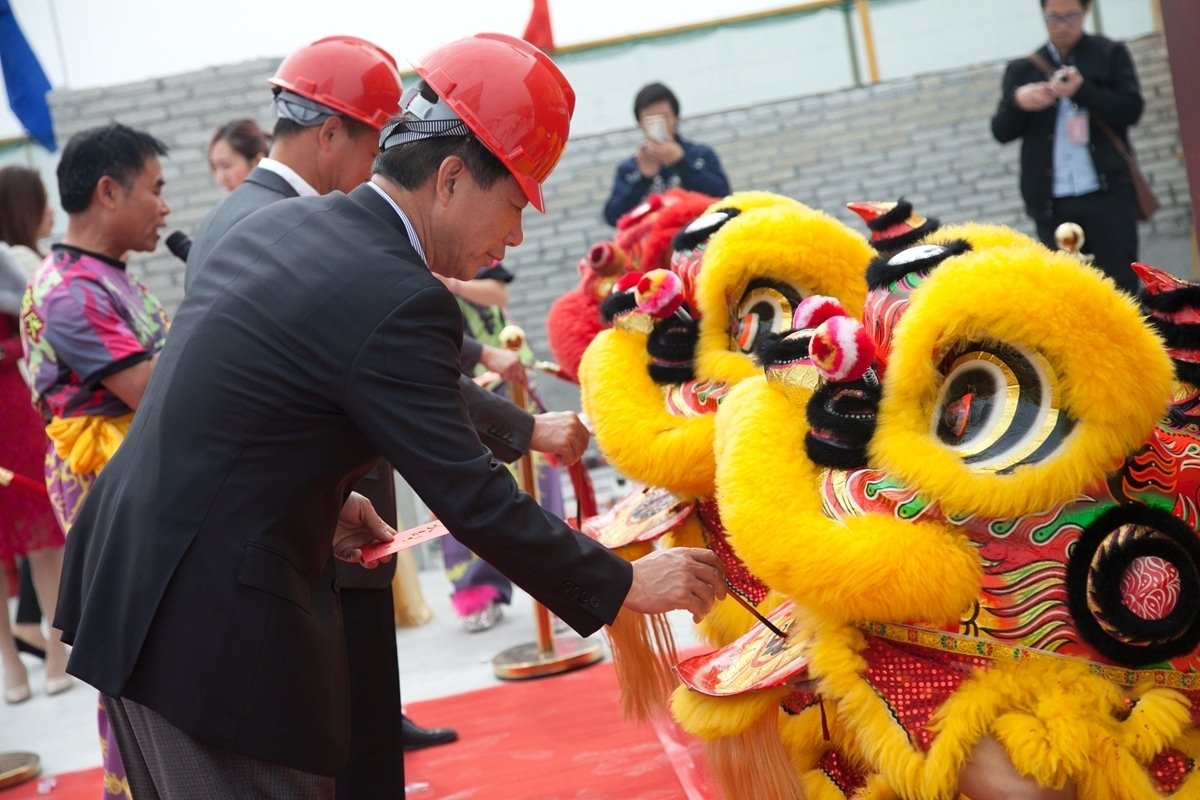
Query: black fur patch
(889, 267)
(616, 304)
(1187, 372)
(691, 235)
(1178, 336)
(900, 213)
(1151, 641)
(842, 421)
(893, 244)
(1172, 301)
(775, 348)
(672, 346)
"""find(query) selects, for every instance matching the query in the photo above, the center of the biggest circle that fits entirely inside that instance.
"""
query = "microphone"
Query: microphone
(180, 245)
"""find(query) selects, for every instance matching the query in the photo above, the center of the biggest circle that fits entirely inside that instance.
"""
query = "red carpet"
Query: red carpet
(558, 738)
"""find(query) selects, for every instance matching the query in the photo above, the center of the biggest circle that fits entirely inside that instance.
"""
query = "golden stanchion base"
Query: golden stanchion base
(526, 661)
(18, 767)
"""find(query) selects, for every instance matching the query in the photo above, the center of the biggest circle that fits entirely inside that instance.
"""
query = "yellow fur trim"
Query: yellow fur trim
(715, 717)
(633, 428)
(787, 242)
(1059, 725)
(981, 236)
(868, 568)
(1113, 373)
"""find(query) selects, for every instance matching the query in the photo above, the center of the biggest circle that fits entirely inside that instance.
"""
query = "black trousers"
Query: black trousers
(375, 770)
(28, 610)
(1110, 232)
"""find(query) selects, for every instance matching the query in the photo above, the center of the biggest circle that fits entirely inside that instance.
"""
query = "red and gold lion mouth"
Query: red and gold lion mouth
(695, 398)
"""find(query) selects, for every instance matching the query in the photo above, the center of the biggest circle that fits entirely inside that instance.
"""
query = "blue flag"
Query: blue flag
(25, 81)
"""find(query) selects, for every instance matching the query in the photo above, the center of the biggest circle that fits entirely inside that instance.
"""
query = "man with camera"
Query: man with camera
(1068, 102)
(664, 159)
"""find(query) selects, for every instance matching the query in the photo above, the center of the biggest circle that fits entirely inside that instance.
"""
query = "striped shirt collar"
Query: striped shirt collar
(412, 234)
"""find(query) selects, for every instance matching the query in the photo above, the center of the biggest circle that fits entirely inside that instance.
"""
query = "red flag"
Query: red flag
(538, 32)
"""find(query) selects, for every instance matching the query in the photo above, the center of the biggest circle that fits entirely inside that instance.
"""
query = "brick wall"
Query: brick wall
(927, 138)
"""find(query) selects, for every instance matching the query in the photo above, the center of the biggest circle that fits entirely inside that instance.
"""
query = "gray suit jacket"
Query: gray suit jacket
(197, 579)
(503, 427)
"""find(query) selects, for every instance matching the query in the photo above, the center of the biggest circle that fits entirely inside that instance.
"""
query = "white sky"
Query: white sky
(109, 42)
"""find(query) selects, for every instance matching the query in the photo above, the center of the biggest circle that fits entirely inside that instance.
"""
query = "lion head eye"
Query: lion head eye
(999, 407)
(766, 307)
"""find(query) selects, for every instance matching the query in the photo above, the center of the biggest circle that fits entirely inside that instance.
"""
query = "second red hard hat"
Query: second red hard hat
(349, 75)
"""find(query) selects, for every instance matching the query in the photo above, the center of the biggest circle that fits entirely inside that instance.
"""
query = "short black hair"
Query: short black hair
(115, 150)
(412, 164)
(653, 93)
(1086, 4)
(285, 128)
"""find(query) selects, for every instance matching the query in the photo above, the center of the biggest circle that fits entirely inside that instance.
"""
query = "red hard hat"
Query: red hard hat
(348, 74)
(512, 96)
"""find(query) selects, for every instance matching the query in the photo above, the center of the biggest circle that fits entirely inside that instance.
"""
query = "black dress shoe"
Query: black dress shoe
(414, 737)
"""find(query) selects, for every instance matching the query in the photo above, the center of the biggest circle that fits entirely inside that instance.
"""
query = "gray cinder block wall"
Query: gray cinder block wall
(927, 138)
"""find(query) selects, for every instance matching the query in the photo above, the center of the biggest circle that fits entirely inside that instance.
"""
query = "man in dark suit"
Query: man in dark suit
(197, 589)
(1070, 170)
(317, 149)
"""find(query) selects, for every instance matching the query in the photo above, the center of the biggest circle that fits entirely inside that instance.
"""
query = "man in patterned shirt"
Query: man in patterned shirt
(91, 331)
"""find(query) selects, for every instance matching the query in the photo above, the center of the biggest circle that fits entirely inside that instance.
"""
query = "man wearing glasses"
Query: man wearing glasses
(1070, 170)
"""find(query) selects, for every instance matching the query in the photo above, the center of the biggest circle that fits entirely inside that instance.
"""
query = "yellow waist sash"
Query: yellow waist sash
(86, 443)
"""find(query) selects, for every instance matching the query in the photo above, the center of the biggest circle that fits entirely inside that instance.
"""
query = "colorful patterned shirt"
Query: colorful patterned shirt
(82, 319)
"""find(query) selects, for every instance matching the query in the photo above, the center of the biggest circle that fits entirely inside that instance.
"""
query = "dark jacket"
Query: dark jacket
(197, 578)
(1109, 92)
(260, 188)
(699, 171)
(503, 427)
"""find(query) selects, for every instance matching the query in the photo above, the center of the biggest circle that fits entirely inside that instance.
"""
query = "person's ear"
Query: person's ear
(452, 170)
(108, 192)
(328, 132)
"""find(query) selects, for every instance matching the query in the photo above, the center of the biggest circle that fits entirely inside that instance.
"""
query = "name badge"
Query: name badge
(1078, 130)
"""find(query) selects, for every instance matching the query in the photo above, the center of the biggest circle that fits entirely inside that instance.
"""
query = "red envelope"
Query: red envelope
(404, 540)
(758, 660)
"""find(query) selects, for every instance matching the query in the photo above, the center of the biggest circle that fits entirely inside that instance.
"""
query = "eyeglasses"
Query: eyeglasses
(1059, 20)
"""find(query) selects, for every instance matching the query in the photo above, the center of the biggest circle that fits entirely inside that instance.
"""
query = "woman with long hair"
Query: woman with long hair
(27, 523)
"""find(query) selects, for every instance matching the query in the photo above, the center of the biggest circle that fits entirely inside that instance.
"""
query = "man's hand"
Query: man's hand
(647, 163)
(505, 363)
(1035, 96)
(359, 526)
(561, 433)
(667, 153)
(681, 577)
(1066, 82)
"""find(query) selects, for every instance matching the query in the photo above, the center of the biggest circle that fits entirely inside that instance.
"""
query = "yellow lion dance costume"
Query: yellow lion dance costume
(1010, 575)
(652, 384)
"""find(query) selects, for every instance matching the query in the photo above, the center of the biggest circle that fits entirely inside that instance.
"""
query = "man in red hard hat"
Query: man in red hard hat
(197, 591)
(331, 97)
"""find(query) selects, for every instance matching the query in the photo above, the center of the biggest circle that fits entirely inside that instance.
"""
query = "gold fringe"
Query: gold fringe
(754, 764)
(643, 653)
(410, 607)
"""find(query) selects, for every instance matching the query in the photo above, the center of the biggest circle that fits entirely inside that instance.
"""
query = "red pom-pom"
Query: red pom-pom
(628, 281)
(841, 349)
(814, 310)
(660, 293)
